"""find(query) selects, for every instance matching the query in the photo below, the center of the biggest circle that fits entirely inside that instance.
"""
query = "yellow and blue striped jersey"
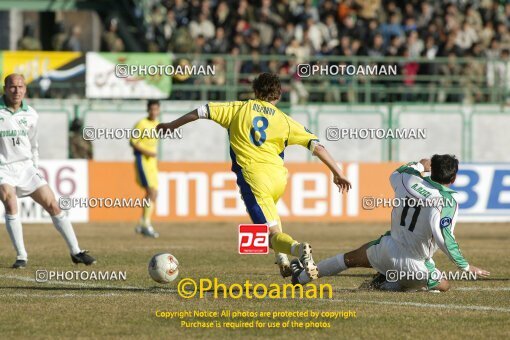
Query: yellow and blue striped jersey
(258, 131)
(146, 140)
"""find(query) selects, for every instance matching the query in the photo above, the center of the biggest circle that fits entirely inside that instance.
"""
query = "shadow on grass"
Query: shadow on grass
(149, 290)
(96, 289)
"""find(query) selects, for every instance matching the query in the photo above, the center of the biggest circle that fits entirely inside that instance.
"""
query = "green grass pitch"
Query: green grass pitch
(126, 309)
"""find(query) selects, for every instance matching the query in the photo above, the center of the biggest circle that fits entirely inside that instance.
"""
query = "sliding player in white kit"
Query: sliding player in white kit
(417, 231)
(19, 175)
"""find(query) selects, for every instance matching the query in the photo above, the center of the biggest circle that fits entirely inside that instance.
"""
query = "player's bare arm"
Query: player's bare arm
(479, 271)
(183, 120)
(338, 178)
(255, 167)
(443, 170)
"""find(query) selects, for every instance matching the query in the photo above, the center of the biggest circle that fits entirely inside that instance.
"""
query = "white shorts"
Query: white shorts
(23, 176)
(385, 255)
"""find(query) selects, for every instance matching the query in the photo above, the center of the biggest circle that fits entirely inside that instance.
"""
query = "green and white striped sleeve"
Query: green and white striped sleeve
(442, 226)
(412, 168)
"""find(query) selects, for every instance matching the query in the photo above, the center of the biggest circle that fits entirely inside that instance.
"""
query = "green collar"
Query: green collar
(438, 186)
(24, 106)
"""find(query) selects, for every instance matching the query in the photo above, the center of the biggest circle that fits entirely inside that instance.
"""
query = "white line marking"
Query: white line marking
(159, 290)
(425, 305)
(66, 283)
(173, 290)
(484, 289)
(470, 289)
(66, 295)
(85, 285)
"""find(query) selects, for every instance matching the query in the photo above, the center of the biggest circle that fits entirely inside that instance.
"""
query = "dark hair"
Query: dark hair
(267, 87)
(152, 102)
(444, 168)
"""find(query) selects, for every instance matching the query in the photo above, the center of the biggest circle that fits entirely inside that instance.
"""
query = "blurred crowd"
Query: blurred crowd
(328, 27)
(477, 32)
(349, 28)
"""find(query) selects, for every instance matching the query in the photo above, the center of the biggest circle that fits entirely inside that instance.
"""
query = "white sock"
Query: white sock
(15, 230)
(293, 250)
(63, 225)
(327, 267)
(332, 266)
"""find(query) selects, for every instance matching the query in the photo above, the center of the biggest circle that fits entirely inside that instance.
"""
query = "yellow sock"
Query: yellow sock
(147, 213)
(282, 243)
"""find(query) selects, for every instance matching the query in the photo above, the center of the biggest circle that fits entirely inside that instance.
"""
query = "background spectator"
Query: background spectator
(463, 32)
(79, 147)
(111, 42)
(29, 42)
(73, 43)
(60, 37)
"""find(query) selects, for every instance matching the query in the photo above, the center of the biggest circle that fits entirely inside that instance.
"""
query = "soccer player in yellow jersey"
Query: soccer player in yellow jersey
(146, 165)
(258, 133)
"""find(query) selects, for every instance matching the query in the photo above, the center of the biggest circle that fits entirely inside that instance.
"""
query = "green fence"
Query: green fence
(450, 80)
(438, 80)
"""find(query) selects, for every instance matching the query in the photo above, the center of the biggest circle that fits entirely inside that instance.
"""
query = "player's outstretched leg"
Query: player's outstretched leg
(284, 243)
(65, 228)
(332, 266)
(13, 224)
(328, 267)
(45, 197)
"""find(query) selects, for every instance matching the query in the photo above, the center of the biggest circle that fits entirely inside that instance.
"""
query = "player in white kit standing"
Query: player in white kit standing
(417, 231)
(19, 175)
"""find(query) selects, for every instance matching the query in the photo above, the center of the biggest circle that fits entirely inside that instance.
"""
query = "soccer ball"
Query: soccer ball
(164, 268)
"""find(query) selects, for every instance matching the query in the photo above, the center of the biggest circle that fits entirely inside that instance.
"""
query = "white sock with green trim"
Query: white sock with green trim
(327, 267)
(15, 230)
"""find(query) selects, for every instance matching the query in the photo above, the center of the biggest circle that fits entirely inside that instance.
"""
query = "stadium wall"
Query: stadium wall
(470, 132)
(207, 192)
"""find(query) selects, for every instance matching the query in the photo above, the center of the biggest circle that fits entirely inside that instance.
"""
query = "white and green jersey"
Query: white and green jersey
(18, 134)
(426, 219)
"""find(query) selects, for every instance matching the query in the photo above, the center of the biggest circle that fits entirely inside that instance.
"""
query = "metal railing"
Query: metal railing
(440, 80)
